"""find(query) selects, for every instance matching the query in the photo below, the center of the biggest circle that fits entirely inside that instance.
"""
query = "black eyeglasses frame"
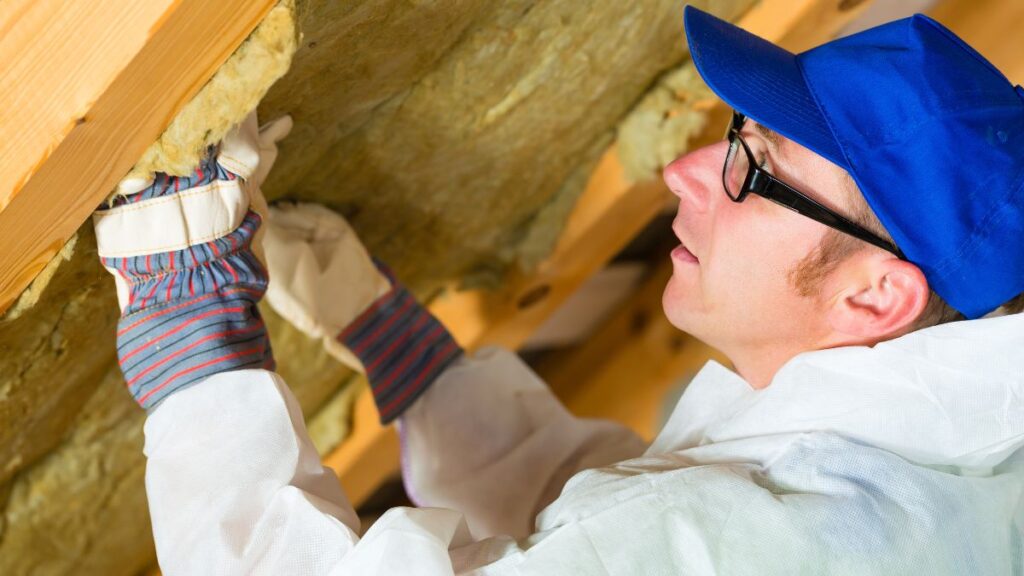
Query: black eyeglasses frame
(758, 181)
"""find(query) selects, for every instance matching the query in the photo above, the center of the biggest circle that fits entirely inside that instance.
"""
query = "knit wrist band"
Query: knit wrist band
(191, 313)
(403, 348)
(171, 346)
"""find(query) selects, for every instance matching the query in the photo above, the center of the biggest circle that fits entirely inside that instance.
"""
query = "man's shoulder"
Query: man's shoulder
(825, 500)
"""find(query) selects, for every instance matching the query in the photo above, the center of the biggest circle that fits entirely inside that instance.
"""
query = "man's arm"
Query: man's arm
(490, 439)
(236, 487)
(234, 484)
(482, 435)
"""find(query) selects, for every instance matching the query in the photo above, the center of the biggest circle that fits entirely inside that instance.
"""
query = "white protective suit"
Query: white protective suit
(905, 458)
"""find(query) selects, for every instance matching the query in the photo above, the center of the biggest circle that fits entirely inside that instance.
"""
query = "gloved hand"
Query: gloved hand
(183, 254)
(327, 285)
(323, 276)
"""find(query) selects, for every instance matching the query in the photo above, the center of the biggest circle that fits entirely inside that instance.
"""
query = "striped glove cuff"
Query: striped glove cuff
(402, 347)
(191, 313)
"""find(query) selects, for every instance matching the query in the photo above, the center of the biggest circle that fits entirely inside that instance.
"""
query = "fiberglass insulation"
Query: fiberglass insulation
(454, 134)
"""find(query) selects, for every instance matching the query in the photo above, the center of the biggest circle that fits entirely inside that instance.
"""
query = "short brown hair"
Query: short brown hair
(809, 274)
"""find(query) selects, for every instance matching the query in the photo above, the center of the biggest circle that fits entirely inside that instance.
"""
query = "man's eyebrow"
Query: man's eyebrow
(768, 134)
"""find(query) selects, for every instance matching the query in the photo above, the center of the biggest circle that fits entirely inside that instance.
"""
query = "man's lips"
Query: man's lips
(684, 255)
(682, 252)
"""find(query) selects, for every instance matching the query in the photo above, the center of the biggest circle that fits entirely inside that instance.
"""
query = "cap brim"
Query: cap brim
(760, 80)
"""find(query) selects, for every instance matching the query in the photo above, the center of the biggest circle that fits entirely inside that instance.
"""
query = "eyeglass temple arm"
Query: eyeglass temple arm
(787, 197)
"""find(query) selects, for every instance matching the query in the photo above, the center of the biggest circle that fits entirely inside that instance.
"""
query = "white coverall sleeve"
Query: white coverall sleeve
(490, 440)
(236, 487)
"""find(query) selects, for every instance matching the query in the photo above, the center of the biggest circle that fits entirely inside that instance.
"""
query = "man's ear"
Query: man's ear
(881, 299)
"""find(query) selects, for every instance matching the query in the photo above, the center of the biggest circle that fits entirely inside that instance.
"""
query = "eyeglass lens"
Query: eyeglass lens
(737, 163)
(735, 169)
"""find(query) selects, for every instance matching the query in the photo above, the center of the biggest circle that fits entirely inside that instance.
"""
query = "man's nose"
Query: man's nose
(695, 176)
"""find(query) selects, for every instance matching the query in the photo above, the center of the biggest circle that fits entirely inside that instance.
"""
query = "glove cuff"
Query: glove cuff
(188, 311)
(402, 347)
(168, 347)
(156, 279)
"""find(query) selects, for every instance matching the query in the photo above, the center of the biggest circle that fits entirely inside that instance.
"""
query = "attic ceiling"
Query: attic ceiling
(454, 135)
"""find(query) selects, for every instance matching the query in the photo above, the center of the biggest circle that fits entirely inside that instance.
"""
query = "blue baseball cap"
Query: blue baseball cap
(931, 132)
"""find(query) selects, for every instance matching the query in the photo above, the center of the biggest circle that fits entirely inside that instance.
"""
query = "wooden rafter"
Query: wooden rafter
(85, 88)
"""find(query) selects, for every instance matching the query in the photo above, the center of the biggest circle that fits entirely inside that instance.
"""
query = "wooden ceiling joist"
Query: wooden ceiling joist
(85, 88)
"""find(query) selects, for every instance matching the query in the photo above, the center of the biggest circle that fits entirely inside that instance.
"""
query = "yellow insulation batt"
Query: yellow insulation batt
(454, 135)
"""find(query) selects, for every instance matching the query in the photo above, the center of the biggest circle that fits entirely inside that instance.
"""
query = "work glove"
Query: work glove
(323, 277)
(328, 286)
(184, 255)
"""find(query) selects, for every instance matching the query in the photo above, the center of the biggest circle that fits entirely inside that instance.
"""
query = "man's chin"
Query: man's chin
(677, 316)
(684, 318)
(695, 327)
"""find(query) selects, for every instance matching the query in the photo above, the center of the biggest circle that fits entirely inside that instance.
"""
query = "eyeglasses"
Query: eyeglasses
(742, 176)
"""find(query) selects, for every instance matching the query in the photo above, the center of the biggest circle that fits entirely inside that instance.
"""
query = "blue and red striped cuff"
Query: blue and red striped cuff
(191, 313)
(402, 347)
(167, 348)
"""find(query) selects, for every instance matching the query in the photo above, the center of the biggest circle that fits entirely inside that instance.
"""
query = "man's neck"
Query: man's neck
(759, 368)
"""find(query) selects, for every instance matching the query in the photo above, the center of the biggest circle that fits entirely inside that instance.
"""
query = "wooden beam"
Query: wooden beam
(608, 214)
(87, 87)
(374, 447)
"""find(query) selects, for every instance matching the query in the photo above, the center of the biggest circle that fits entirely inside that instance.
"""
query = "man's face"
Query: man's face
(736, 294)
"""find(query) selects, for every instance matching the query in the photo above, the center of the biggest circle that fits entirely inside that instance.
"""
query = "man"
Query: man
(850, 440)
